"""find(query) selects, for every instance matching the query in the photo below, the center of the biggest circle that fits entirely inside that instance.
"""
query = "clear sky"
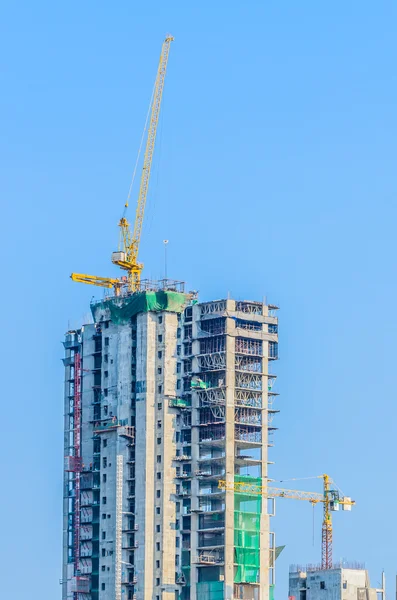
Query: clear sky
(274, 176)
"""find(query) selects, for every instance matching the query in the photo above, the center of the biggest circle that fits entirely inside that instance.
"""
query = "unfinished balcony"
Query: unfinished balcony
(213, 523)
(212, 396)
(213, 345)
(208, 309)
(211, 327)
(248, 397)
(249, 308)
(244, 460)
(179, 402)
(211, 455)
(210, 490)
(182, 457)
(213, 435)
(208, 472)
(247, 436)
(183, 473)
(211, 415)
(206, 558)
(212, 362)
(248, 381)
(248, 363)
(183, 490)
(248, 416)
(251, 347)
(210, 505)
(211, 540)
(209, 380)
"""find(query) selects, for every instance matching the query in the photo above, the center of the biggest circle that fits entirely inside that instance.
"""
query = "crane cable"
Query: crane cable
(299, 478)
(313, 477)
(139, 151)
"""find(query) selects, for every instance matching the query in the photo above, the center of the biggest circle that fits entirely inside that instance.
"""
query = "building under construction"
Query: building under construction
(343, 581)
(164, 397)
(168, 422)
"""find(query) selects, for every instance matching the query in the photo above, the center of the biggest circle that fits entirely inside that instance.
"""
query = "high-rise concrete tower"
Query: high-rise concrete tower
(164, 397)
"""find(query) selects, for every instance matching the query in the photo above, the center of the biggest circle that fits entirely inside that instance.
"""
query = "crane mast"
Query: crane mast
(330, 498)
(326, 530)
(127, 257)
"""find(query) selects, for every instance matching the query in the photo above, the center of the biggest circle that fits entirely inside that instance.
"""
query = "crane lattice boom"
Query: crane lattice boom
(330, 498)
(128, 257)
(105, 282)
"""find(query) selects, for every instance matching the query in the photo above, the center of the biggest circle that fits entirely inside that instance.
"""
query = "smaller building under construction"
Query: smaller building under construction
(344, 581)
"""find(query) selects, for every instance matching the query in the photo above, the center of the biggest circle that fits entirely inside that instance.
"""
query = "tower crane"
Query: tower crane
(331, 499)
(127, 255)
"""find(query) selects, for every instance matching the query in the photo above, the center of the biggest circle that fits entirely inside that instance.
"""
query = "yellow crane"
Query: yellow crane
(127, 255)
(331, 499)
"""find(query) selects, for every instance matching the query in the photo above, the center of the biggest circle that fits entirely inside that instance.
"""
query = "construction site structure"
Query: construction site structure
(164, 396)
(331, 498)
(344, 581)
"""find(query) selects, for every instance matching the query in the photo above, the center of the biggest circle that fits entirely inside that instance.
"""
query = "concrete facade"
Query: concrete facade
(332, 584)
(159, 407)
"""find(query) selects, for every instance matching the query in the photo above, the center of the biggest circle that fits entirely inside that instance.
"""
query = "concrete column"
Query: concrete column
(229, 449)
(194, 519)
(265, 520)
(168, 512)
(145, 460)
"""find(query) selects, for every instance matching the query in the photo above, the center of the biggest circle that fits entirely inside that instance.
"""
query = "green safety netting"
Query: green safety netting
(196, 382)
(180, 402)
(122, 309)
(210, 590)
(247, 515)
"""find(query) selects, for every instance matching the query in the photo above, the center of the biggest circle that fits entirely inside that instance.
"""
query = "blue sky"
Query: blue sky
(274, 176)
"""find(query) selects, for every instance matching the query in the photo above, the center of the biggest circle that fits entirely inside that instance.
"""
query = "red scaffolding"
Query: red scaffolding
(77, 461)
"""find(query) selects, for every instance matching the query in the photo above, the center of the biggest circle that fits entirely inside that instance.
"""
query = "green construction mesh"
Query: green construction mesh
(122, 309)
(247, 515)
(210, 590)
(271, 592)
(180, 402)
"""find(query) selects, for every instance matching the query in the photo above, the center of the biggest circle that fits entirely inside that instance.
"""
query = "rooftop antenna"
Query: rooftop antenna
(165, 242)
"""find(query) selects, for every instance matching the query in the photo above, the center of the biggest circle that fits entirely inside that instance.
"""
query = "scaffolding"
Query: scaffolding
(248, 398)
(252, 308)
(248, 381)
(248, 415)
(213, 344)
(212, 362)
(77, 457)
(252, 364)
(224, 355)
(212, 396)
(73, 466)
(209, 308)
(247, 434)
(213, 433)
(249, 346)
